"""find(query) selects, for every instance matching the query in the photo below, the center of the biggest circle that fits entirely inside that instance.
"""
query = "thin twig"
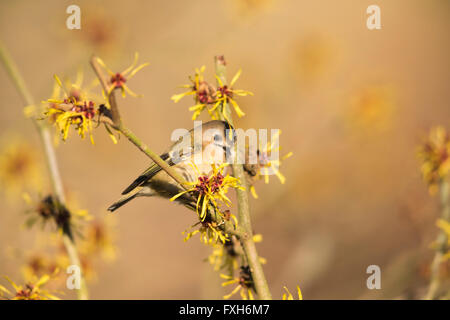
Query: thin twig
(441, 242)
(50, 156)
(246, 239)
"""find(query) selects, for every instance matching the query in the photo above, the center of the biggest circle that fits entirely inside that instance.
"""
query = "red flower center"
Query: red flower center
(202, 185)
(118, 80)
(217, 182)
(225, 91)
(202, 97)
(87, 109)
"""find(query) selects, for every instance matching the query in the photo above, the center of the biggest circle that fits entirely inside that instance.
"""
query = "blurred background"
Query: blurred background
(353, 106)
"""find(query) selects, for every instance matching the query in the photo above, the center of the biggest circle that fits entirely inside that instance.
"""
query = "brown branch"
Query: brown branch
(441, 242)
(248, 244)
(50, 156)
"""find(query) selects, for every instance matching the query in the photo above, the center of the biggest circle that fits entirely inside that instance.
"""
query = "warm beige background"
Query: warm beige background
(353, 196)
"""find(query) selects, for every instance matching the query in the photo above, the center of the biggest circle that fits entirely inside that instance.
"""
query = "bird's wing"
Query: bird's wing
(183, 155)
(147, 174)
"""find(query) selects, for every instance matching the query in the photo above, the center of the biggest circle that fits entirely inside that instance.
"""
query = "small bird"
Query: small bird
(213, 141)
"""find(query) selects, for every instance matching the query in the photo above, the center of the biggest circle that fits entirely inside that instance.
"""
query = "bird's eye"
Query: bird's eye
(217, 137)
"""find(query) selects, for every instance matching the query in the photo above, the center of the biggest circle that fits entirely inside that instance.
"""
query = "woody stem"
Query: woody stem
(246, 239)
(51, 160)
(441, 242)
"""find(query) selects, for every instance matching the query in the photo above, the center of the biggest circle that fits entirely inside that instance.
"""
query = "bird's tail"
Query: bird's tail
(124, 199)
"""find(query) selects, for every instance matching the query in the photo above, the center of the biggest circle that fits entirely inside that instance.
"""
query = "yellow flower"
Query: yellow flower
(265, 166)
(92, 245)
(288, 295)
(29, 291)
(57, 258)
(118, 79)
(50, 209)
(211, 190)
(435, 156)
(313, 59)
(76, 90)
(372, 107)
(37, 265)
(80, 117)
(224, 256)
(71, 110)
(225, 94)
(203, 92)
(244, 284)
(96, 242)
(64, 91)
(209, 98)
(209, 232)
(194, 86)
(19, 168)
(98, 239)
